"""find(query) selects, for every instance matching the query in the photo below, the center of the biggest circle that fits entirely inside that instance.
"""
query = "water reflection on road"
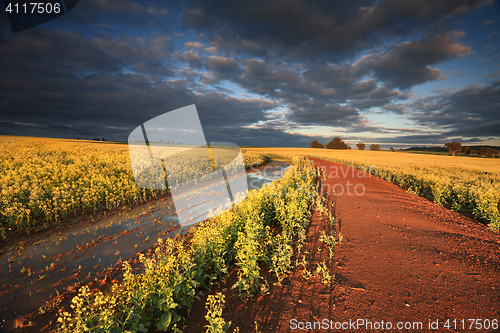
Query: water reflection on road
(31, 274)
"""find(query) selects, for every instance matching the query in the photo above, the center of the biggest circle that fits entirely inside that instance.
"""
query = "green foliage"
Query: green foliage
(330, 241)
(214, 306)
(286, 205)
(306, 274)
(453, 147)
(242, 236)
(140, 302)
(281, 256)
(337, 143)
(248, 261)
(323, 272)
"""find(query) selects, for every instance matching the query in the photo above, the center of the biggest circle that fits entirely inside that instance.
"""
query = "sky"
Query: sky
(261, 73)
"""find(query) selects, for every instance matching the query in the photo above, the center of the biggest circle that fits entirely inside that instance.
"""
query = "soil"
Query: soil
(403, 260)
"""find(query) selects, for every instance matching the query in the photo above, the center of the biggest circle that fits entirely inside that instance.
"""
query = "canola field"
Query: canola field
(45, 180)
(465, 184)
(268, 226)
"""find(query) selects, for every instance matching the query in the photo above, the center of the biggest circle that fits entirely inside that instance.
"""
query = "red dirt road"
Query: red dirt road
(402, 259)
(413, 259)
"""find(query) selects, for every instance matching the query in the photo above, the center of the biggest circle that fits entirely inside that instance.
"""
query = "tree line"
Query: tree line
(453, 147)
(337, 143)
(456, 147)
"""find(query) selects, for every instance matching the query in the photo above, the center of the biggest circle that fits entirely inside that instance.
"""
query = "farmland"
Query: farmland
(283, 235)
(467, 185)
(243, 237)
(45, 180)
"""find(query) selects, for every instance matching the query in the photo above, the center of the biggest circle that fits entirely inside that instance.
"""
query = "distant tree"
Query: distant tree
(466, 150)
(400, 149)
(336, 143)
(483, 151)
(349, 147)
(314, 144)
(361, 146)
(321, 146)
(490, 152)
(103, 139)
(453, 147)
(375, 147)
(96, 139)
(392, 149)
(495, 152)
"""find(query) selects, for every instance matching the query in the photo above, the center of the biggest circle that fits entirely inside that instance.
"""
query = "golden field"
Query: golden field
(43, 180)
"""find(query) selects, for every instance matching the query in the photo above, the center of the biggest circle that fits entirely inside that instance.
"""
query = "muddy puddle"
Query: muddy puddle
(33, 273)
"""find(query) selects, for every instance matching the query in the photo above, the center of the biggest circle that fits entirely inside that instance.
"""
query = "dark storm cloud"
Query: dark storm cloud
(199, 46)
(153, 68)
(326, 115)
(222, 64)
(193, 58)
(409, 63)
(265, 78)
(316, 95)
(220, 113)
(125, 101)
(237, 45)
(380, 97)
(299, 56)
(130, 12)
(395, 108)
(299, 29)
(222, 68)
(280, 81)
(481, 130)
(63, 54)
(129, 7)
(156, 46)
(472, 111)
(493, 74)
(102, 86)
(334, 75)
(47, 56)
(265, 136)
